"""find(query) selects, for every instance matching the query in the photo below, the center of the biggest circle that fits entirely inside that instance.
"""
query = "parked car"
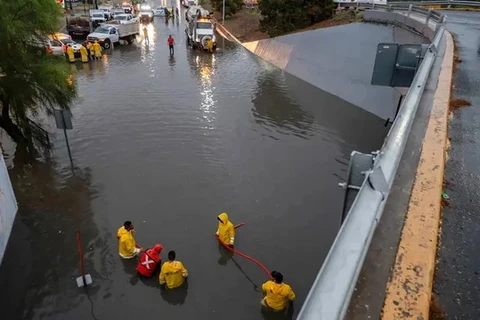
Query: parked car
(97, 17)
(146, 14)
(78, 26)
(107, 12)
(117, 12)
(56, 45)
(125, 18)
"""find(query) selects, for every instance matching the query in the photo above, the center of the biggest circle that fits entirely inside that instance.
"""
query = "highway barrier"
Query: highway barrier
(332, 290)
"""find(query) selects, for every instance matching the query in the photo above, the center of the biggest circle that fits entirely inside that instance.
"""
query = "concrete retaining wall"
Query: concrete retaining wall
(412, 22)
(8, 206)
(340, 59)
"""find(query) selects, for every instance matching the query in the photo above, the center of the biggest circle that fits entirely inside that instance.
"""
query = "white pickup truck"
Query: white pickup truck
(109, 33)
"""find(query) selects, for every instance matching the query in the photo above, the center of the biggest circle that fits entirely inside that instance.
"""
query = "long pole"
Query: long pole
(66, 138)
(80, 254)
(223, 13)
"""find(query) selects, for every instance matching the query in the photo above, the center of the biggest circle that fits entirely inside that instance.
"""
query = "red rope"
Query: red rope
(244, 255)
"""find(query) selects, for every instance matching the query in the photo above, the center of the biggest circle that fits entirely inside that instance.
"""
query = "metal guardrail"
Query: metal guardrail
(332, 290)
(369, 4)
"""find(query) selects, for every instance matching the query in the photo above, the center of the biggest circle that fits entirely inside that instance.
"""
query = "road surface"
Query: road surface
(457, 282)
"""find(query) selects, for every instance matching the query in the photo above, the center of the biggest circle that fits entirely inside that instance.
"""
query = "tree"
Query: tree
(31, 80)
(231, 6)
(282, 16)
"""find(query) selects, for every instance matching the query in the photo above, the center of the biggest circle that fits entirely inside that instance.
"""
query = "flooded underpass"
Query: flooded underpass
(169, 143)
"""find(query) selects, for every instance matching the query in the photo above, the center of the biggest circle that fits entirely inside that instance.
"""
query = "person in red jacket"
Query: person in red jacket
(149, 261)
(171, 44)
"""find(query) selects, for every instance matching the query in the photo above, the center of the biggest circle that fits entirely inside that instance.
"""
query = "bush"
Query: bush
(231, 6)
(282, 16)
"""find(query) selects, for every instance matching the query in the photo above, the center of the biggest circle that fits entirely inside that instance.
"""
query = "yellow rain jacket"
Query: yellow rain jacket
(173, 273)
(90, 48)
(84, 54)
(226, 230)
(71, 54)
(98, 50)
(126, 244)
(278, 295)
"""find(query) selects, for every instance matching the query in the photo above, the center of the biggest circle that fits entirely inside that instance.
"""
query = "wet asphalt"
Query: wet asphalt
(169, 142)
(457, 279)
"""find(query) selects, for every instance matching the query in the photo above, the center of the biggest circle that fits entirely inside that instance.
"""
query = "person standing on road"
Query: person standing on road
(171, 44)
(226, 230)
(90, 50)
(145, 35)
(277, 293)
(149, 261)
(84, 54)
(98, 50)
(173, 273)
(71, 54)
(127, 247)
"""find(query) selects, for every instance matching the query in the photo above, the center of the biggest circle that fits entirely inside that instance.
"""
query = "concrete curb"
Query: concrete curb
(225, 33)
(410, 288)
(460, 9)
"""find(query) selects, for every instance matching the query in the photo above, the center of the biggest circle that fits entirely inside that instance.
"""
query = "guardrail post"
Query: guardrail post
(410, 6)
(429, 15)
(442, 19)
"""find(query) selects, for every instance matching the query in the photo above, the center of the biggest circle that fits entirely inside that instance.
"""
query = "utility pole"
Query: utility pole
(223, 13)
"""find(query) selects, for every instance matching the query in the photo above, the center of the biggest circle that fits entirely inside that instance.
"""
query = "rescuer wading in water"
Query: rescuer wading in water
(127, 248)
(173, 273)
(277, 293)
(226, 230)
(149, 261)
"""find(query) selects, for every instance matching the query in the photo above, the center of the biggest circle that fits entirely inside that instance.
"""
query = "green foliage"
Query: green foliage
(31, 81)
(231, 6)
(281, 16)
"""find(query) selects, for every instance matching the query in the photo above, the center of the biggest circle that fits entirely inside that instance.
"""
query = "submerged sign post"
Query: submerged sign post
(63, 119)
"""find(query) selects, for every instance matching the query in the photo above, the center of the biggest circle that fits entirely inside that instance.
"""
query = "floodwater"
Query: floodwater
(169, 143)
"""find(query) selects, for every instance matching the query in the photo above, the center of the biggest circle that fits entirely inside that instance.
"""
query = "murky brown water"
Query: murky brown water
(169, 143)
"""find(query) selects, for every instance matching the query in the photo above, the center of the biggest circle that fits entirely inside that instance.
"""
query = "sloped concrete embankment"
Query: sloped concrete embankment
(338, 60)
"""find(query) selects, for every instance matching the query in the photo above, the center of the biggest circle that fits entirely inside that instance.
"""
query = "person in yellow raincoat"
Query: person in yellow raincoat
(173, 273)
(226, 230)
(90, 49)
(98, 50)
(70, 54)
(277, 293)
(209, 44)
(84, 54)
(127, 248)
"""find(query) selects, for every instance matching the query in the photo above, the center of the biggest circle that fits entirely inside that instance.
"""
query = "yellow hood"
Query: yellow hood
(280, 288)
(224, 217)
(121, 231)
(173, 267)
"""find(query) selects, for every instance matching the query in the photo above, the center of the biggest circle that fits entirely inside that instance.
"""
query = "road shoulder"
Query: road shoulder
(367, 300)
(410, 288)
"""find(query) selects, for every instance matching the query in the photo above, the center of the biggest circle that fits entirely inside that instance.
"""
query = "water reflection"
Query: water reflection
(171, 61)
(41, 258)
(273, 108)
(203, 65)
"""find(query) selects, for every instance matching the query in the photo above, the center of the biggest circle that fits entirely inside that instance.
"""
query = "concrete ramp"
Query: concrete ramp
(338, 60)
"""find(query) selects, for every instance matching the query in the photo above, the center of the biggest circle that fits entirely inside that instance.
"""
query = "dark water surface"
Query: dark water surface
(170, 142)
